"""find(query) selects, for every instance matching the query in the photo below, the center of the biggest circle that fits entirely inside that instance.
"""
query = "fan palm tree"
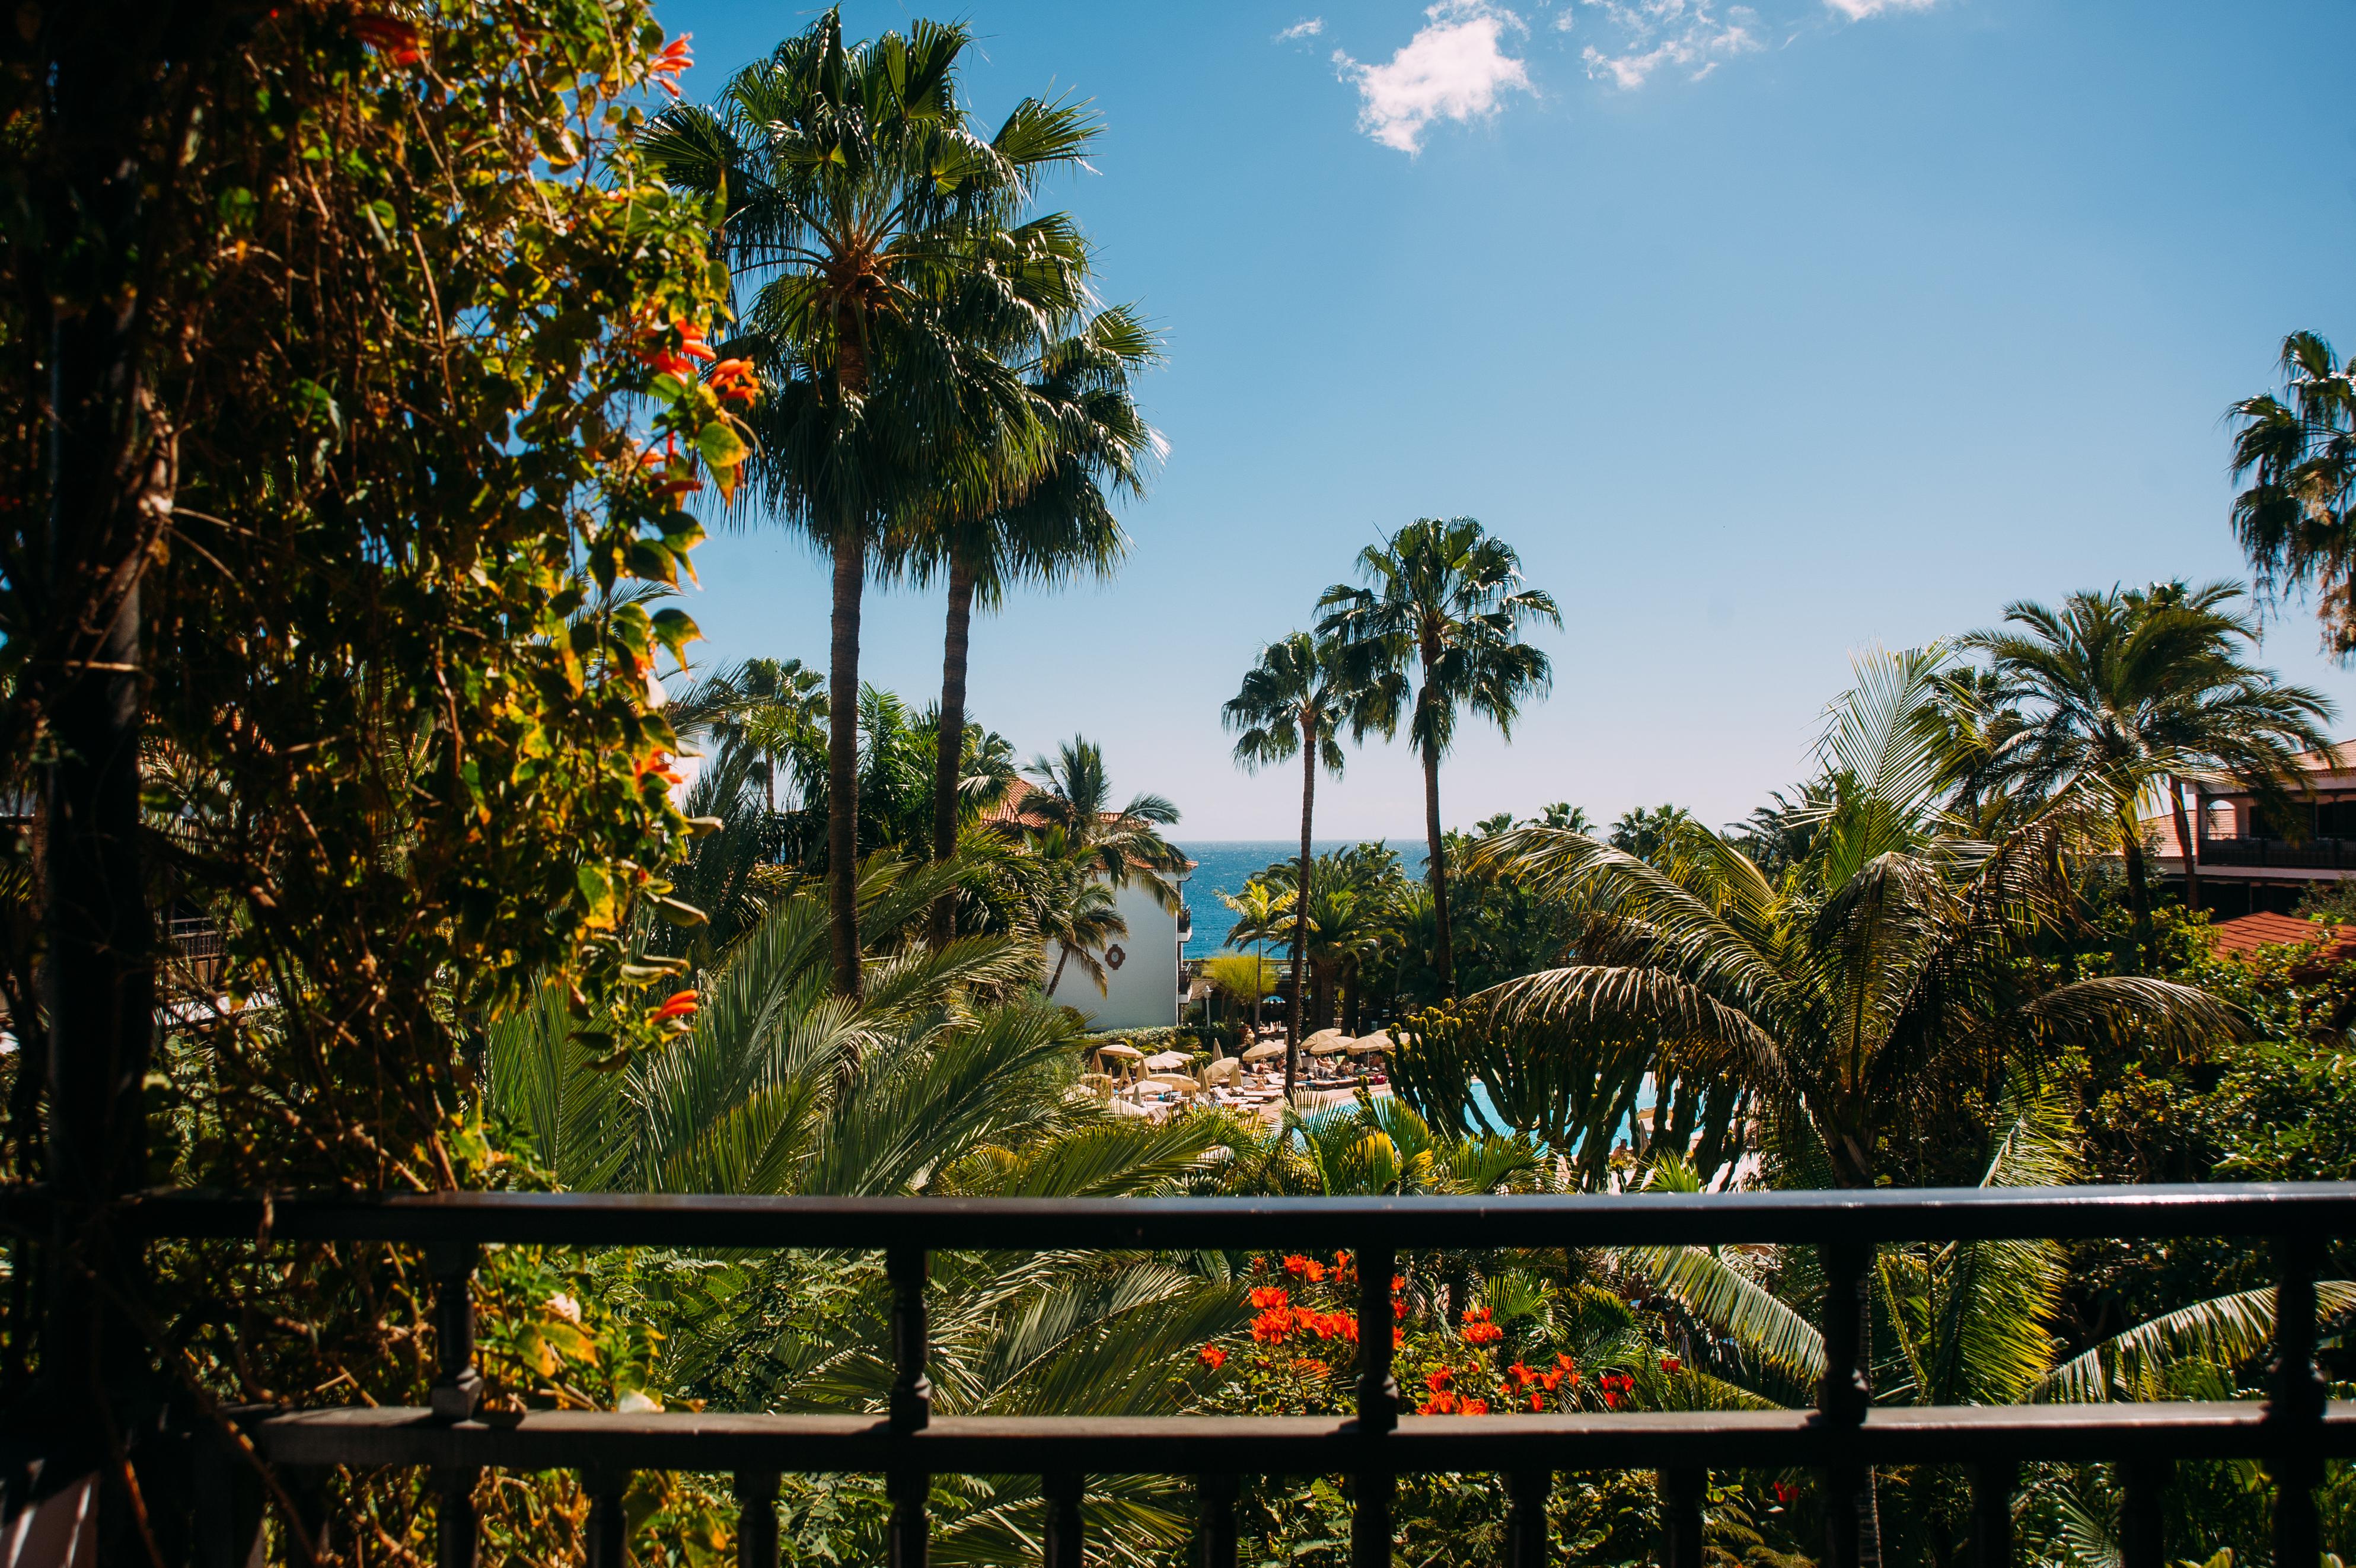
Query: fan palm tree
(1063, 525)
(1445, 601)
(1260, 911)
(1294, 701)
(894, 277)
(1072, 794)
(2295, 521)
(2129, 693)
(1890, 955)
(1070, 907)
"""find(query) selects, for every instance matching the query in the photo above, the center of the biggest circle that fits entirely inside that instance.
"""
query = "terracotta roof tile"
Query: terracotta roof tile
(2247, 933)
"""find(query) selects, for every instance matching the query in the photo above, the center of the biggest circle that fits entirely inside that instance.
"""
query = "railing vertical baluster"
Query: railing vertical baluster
(756, 1518)
(608, 1527)
(457, 1533)
(457, 1385)
(1060, 1541)
(912, 1391)
(1378, 1403)
(907, 1546)
(1218, 1540)
(1843, 1394)
(2295, 1405)
(2143, 1535)
(1527, 1493)
(1992, 1487)
(1377, 1389)
(1682, 1492)
(1370, 1521)
(912, 1405)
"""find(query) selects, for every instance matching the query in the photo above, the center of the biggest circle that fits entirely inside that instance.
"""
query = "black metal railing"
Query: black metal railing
(2287, 854)
(2293, 1430)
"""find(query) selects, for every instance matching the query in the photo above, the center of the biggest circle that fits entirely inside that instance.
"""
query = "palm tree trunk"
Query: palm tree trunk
(951, 757)
(1443, 959)
(2186, 844)
(1294, 1011)
(1057, 978)
(843, 760)
(2139, 884)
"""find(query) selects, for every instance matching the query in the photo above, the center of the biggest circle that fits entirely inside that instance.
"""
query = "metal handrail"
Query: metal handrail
(2293, 1430)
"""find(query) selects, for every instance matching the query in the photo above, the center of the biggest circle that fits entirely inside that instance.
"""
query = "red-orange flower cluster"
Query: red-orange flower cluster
(680, 361)
(667, 65)
(1479, 1330)
(1671, 1365)
(1616, 1387)
(657, 764)
(1307, 1269)
(732, 380)
(1211, 1355)
(682, 1006)
(400, 40)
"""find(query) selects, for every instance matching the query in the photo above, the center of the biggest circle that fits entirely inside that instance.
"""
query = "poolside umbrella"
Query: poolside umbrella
(1165, 1061)
(1319, 1039)
(1333, 1048)
(1367, 1045)
(1263, 1051)
(1126, 1053)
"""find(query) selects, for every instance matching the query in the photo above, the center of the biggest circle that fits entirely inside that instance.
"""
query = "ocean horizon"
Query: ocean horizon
(1224, 865)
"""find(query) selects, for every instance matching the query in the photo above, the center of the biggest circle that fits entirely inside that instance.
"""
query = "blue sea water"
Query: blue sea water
(1224, 865)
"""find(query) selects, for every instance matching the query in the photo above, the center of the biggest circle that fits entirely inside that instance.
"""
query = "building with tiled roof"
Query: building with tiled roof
(2252, 861)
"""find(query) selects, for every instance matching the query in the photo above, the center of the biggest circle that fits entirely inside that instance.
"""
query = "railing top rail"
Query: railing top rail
(1919, 1214)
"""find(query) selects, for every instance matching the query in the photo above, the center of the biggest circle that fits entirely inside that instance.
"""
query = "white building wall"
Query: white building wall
(1142, 994)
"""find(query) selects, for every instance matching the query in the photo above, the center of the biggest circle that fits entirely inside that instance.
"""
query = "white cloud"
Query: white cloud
(1690, 35)
(1858, 10)
(1307, 27)
(1454, 69)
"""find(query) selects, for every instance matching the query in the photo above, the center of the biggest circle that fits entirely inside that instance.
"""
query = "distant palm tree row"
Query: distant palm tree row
(1435, 630)
(943, 398)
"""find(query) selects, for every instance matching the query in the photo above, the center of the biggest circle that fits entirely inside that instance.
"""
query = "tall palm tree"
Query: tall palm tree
(2130, 693)
(1063, 525)
(1070, 907)
(2296, 520)
(893, 278)
(1445, 600)
(1294, 703)
(1071, 794)
(1260, 911)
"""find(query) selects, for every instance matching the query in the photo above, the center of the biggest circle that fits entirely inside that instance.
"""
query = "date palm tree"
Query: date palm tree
(1444, 606)
(1890, 960)
(2296, 520)
(1062, 526)
(2130, 693)
(1071, 794)
(1294, 701)
(892, 275)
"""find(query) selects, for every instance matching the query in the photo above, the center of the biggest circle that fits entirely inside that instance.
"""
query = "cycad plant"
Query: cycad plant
(895, 284)
(1883, 968)
(949, 1077)
(1294, 701)
(1443, 612)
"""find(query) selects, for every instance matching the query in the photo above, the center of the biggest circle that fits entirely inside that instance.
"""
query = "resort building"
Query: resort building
(2251, 860)
(1142, 967)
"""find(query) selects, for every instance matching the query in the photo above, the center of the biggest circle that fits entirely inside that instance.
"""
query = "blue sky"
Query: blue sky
(1765, 333)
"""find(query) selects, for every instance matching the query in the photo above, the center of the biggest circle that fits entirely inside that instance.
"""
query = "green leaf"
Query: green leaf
(721, 446)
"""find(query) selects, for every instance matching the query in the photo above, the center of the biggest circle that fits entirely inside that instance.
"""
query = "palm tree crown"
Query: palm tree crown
(1294, 703)
(1445, 600)
(2131, 692)
(893, 282)
(1071, 796)
(2296, 520)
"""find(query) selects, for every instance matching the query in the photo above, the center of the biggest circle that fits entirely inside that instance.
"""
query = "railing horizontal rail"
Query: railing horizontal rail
(1919, 1214)
(1299, 1444)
